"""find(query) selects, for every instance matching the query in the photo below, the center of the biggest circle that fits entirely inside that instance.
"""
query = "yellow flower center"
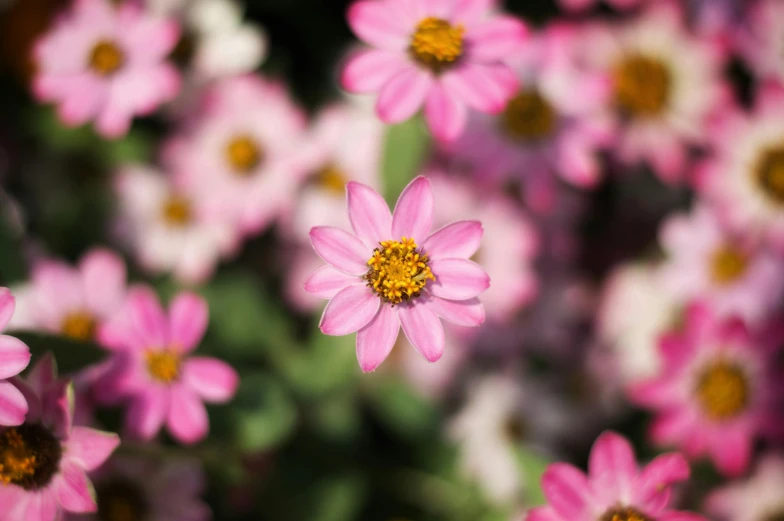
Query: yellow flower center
(722, 390)
(177, 211)
(437, 44)
(643, 85)
(79, 325)
(163, 365)
(528, 117)
(120, 500)
(106, 58)
(728, 264)
(331, 178)
(770, 174)
(624, 514)
(398, 271)
(29, 456)
(244, 154)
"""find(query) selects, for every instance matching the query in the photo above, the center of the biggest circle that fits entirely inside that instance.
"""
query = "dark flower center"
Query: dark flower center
(528, 117)
(643, 85)
(624, 514)
(770, 174)
(120, 500)
(29, 456)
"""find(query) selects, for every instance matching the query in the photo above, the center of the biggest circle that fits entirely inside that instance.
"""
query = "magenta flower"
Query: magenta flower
(154, 370)
(106, 63)
(444, 54)
(615, 489)
(717, 390)
(44, 462)
(759, 39)
(393, 272)
(14, 357)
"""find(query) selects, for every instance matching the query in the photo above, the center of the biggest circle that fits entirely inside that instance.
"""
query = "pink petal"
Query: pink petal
(497, 39)
(445, 114)
(147, 316)
(413, 215)
(146, 413)
(7, 304)
(369, 214)
(13, 405)
(612, 464)
(732, 452)
(485, 88)
(104, 278)
(187, 419)
(423, 329)
(74, 490)
(42, 374)
(679, 515)
(90, 448)
(210, 378)
(458, 240)
(542, 514)
(659, 474)
(376, 340)
(469, 313)
(188, 318)
(340, 249)
(44, 506)
(326, 282)
(468, 11)
(567, 489)
(350, 310)
(373, 22)
(368, 70)
(458, 279)
(403, 95)
(14, 356)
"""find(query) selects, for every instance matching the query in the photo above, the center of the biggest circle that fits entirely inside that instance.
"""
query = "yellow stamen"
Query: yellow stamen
(728, 264)
(244, 154)
(437, 44)
(722, 390)
(29, 456)
(106, 58)
(643, 85)
(398, 271)
(528, 117)
(177, 211)
(332, 179)
(163, 365)
(17, 461)
(624, 514)
(770, 174)
(79, 325)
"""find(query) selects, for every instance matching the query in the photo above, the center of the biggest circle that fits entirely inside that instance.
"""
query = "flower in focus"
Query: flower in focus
(154, 370)
(14, 357)
(716, 391)
(758, 497)
(392, 272)
(107, 64)
(616, 488)
(44, 461)
(445, 55)
(759, 39)
(168, 227)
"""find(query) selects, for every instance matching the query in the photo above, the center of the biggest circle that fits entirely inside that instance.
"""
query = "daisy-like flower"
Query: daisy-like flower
(761, 37)
(14, 357)
(106, 63)
(168, 227)
(616, 488)
(393, 272)
(445, 55)
(154, 371)
(757, 498)
(44, 461)
(717, 390)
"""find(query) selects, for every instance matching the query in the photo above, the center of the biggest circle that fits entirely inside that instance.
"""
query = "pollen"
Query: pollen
(163, 365)
(331, 178)
(79, 325)
(528, 117)
(398, 271)
(29, 456)
(643, 85)
(177, 211)
(722, 390)
(770, 174)
(727, 265)
(106, 58)
(437, 44)
(624, 514)
(244, 154)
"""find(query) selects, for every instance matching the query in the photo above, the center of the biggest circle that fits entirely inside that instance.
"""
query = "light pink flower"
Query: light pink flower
(760, 38)
(758, 497)
(14, 357)
(445, 55)
(168, 227)
(46, 459)
(154, 370)
(717, 390)
(616, 487)
(106, 63)
(393, 272)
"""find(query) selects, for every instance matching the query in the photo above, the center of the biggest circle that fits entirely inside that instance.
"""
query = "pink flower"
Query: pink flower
(717, 390)
(392, 272)
(758, 497)
(615, 488)
(106, 63)
(44, 462)
(14, 357)
(154, 370)
(445, 55)
(759, 39)
(168, 226)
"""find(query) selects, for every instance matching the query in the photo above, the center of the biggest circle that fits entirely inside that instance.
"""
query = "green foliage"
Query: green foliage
(71, 355)
(263, 413)
(405, 149)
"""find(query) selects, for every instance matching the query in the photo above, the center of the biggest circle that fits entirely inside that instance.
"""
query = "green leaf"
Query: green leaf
(71, 355)
(337, 499)
(532, 464)
(264, 414)
(402, 409)
(405, 148)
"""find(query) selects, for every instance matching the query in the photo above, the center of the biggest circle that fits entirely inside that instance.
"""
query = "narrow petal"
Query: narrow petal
(13, 405)
(42, 374)
(44, 506)
(147, 316)
(403, 95)
(349, 311)
(91, 447)
(445, 114)
(469, 313)
(485, 88)
(368, 70)
(74, 490)
(146, 413)
(458, 240)
(188, 318)
(663, 471)
(497, 39)
(732, 452)
(373, 23)
(187, 419)
(103, 273)
(413, 215)
(340, 249)
(210, 378)
(612, 464)
(423, 329)
(7, 304)
(458, 279)
(369, 214)
(376, 340)
(327, 281)
(567, 489)
(14, 356)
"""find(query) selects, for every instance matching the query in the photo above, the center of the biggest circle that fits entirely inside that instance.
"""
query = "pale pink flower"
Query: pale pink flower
(760, 38)
(717, 391)
(445, 55)
(168, 227)
(106, 63)
(616, 487)
(393, 272)
(154, 370)
(757, 497)
(14, 357)
(46, 459)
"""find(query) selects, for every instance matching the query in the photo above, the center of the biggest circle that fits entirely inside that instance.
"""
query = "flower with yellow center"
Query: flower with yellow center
(770, 174)
(437, 44)
(106, 58)
(643, 85)
(528, 117)
(331, 178)
(177, 211)
(163, 365)
(728, 264)
(79, 325)
(398, 271)
(624, 514)
(29, 456)
(244, 154)
(722, 390)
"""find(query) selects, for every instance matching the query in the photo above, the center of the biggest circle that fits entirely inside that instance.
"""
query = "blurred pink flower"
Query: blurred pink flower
(106, 63)
(168, 226)
(14, 357)
(443, 54)
(45, 460)
(716, 391)
(581, 5)
(377, 283)
(615, 487)
(760, 38)
(154, 370)
(241, 154)
(758, 497)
